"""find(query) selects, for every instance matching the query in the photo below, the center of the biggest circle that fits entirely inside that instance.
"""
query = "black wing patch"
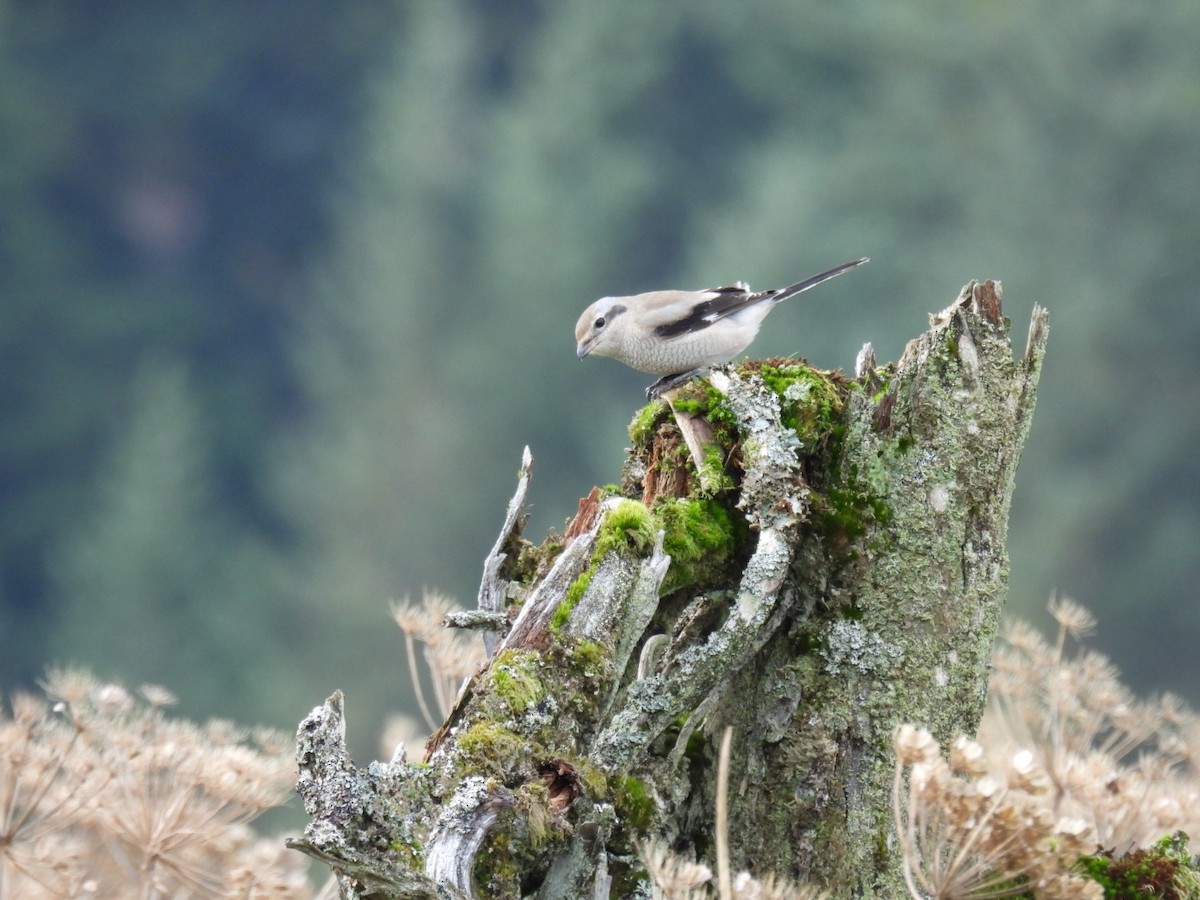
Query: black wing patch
(729, 300)
(735, 297)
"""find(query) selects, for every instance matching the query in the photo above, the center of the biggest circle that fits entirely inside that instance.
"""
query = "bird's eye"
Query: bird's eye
(600, 323)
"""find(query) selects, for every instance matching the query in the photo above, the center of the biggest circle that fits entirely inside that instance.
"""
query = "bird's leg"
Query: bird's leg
(669, 382)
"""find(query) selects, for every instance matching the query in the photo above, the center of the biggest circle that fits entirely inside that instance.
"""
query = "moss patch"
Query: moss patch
(575, 592)
(491, 750)
(646, 420)
(1165, 870)
(515, 680)
(588, 657)
(850, 506)
(699, 535)
(811, 401)
(634, 804)
(628, 527)
(496, 871)
(699, 398)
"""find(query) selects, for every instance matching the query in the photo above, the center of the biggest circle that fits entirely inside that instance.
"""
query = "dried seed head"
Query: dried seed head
(967, 757)
(914, 745)
(1073, 618)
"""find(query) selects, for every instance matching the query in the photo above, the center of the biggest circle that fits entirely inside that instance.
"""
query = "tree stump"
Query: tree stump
(807, 558)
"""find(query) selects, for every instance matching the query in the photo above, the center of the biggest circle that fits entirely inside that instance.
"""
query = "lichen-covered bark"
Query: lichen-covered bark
(807, 558)
(903, 619)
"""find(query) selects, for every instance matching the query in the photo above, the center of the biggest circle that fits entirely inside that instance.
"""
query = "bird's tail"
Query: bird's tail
(801, 286)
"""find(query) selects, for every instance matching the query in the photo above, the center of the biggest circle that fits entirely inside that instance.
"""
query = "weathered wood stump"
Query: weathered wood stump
(808, 558)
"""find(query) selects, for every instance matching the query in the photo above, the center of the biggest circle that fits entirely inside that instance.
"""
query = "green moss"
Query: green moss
(526, 564)
(575, 592)
(409, 850)
(634, 804)
(520, 845)
(532, 802)
(1165, 870)
(628, 527)
(699, 536)
(645, 420)
(850, 502)
(496, 872)
(850, 508)
(589, 656)
(851, 611)
(713, 477)
(699, 398)
(846, 501)
(593, 779)
(811, 401)
(515, 680)
(586, 667)
(491, 750)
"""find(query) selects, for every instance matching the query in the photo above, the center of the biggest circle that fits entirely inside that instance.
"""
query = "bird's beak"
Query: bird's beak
(583, 349)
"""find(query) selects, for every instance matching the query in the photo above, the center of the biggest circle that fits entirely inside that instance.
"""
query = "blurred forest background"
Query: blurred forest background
(285, 287)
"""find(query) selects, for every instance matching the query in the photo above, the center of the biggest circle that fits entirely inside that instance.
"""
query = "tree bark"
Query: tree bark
(810, 559)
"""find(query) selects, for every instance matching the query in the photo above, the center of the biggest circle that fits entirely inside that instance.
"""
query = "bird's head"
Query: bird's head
(599, 328)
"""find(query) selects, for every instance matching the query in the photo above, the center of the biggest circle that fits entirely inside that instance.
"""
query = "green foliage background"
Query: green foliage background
(285, 288)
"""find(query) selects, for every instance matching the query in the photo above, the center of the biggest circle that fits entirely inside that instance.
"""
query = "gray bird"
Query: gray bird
(674, 333)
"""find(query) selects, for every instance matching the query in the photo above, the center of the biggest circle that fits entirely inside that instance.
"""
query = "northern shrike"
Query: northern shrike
(674, 333)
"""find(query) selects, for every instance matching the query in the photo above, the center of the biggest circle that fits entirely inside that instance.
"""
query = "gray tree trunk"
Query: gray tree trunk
(808, 559)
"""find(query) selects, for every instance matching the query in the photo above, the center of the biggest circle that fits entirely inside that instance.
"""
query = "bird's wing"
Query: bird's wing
(707, 307)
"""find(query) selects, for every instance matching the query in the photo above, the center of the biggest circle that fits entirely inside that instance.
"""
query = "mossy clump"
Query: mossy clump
(634, 803)
(699, 536)
(532, 803)
(496, 870)
(628, 527)
(520, 846)
(522, 559)
(588, 657)
(409, 850)
(699, 398)
(811, 401)
(534, 562)
(1166, 870)
(850, 505)
(491, 750)
(646, 420)
(811, 405)
(714, 475)
(575, 591)
(592, 778)
(515, 680)
(846, 500)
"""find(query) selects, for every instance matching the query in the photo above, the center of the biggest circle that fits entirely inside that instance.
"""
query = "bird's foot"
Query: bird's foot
(670, 382)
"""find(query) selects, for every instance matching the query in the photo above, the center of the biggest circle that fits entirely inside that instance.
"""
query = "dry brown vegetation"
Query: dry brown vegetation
(102, 794)
(1067, 763)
